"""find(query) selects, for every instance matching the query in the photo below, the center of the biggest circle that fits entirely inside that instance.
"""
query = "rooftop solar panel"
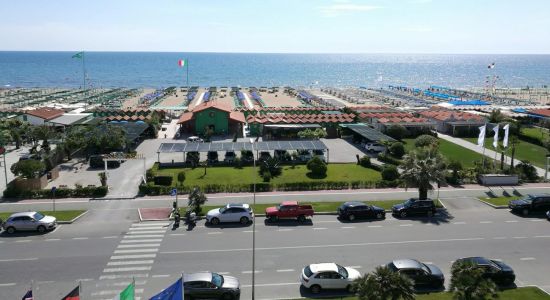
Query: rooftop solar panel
(239, 146)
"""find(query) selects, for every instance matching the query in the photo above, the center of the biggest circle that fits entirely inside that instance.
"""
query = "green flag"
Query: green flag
(78, 55)
(127, 294)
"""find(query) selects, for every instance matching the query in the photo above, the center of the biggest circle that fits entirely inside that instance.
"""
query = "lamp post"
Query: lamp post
(253, 222)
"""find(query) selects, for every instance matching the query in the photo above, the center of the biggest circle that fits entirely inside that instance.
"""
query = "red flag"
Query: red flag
(73, 295)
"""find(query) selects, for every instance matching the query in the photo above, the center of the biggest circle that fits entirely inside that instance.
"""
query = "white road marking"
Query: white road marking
(285, 270)
(145, 232)
(18, 259)
(127, 269)
(520, 237)
(486, 222)
(110, 237)
(137, 251)
(80, 238)
(149, 224)
(347, 227)
(248, 231)
(123, 276)
(326, 246)
(459, 223)
(146, 228)
(140, 241)
(542, 236)
(23, 241)
(320, 228)
(138, 245)
(8, 284)
(143, 236)
(512, 221)
(161, 275)
(537, 220)
(123, 284)
(500, 238)
(130, 262)
(271, 284)
(217, 232)
(176, 234)
(376, 226)
(85, 279)
(527, 258)
(285, 229)
(406, 225)
(250, 272)
(136, 256)
(51, 240)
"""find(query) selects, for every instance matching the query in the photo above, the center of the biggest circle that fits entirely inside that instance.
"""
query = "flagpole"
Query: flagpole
(182, 288)
(187, 80)
(483, 155)
(80, 288)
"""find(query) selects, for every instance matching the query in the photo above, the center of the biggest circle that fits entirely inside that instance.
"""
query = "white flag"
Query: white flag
(506, 132)
(481, 138)
(495, 141)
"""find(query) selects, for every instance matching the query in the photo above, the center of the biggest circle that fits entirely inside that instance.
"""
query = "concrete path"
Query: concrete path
(488, 152)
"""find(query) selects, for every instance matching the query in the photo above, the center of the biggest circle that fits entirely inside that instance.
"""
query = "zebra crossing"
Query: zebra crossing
(132, 260)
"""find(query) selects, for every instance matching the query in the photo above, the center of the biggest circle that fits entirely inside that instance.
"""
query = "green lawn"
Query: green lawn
(499, 200)
(247, 175)
(536, 133)
(61, 215)
(317, 206)
(531, 293)
(451, 151)
(524, 151)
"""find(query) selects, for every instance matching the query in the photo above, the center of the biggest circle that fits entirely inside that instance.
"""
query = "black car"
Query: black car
(497, 271)
(421, 274)
(414, 206)
(530, 204)
(359, 210)
(207, 285)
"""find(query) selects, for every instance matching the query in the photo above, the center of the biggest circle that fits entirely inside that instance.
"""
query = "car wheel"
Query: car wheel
(430, 214)
(379, 216)
(273, 219)
(525, 212)
(10, 230)
(41, 229)
(315, 289)
(227, 296)
(301, 218)
(244, 220)
(215, 221)
(351, 217)
(403, 214)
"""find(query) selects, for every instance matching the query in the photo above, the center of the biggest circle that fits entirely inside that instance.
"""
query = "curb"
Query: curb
(492, 205)
(74, 219)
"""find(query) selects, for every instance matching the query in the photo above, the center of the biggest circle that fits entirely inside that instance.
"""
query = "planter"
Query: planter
(498, 179)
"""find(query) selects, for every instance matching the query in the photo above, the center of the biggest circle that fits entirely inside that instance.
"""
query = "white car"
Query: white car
(317, 277)
(29, 221)
(194, 139)
(232, 212)
(374, 147)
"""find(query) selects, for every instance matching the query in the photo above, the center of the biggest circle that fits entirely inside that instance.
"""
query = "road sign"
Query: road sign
(54, 189)
(173, 192)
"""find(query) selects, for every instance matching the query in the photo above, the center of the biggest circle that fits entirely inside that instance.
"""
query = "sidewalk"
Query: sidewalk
(488, 152)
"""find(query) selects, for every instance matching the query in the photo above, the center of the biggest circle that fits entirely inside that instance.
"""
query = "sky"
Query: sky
(279, 26)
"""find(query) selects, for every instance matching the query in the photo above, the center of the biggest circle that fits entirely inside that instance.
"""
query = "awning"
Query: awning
(368, 132)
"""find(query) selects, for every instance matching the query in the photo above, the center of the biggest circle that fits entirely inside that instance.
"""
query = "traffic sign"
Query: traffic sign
(173, 192)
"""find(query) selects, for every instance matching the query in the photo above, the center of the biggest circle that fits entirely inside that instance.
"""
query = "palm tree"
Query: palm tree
(468, 283)
(44, 133)
(383, 284)
(75, 138)
(421, 167)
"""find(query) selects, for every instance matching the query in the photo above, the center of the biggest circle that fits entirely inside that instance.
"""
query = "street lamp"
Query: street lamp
(252, 141)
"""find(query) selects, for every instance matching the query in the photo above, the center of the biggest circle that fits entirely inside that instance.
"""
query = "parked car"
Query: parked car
(414, 206)
(29, 221)
(529, 204)
(208, 285)
(212, 157)
(194, 139)
(289, 210)
(304, 155)
(229, 157)
(359, 210)
(282, 155)
(232, 212)
(247, 156)
(421, 274)
(317, 277)
(495, 270)
(320, 154)
(548, 215)
(374, 147)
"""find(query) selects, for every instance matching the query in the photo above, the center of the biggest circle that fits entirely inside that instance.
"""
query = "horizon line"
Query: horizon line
(311, 53)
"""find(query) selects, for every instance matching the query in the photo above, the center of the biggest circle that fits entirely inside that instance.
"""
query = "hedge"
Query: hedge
(80, 192)
(383, 157)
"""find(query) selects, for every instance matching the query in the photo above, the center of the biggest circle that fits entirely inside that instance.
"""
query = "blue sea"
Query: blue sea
(160, 69)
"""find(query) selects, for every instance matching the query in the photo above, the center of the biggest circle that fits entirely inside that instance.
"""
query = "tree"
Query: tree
(421, 167)
(527, 171)
(45, 134)
(75, 138)
(397, 132)
(397, 150)
(16, 130)
(181, 177)
(389, 173)
(455, 166)
(425, 140)
(107, 138)
(196, 200)
(365, 161)
(468, 283)
(28, 168)
(271, 166)
(496, 116)
(317, 167)
(383, 284)
(312, 134)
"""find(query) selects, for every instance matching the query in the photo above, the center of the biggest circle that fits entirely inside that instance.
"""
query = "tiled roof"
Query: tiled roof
(540, 112)
(46, 113)
(449, 115)
(286, 108)
(212, 104)
(237, 116)
(379, 115)
(301, 119)
(185, 117)
(407, 120)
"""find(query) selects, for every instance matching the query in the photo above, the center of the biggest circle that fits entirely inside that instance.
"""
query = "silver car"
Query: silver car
(233, 212)
(29, 221)
(208, 285)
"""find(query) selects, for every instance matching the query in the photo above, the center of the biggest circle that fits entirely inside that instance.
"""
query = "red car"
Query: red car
(289, 210)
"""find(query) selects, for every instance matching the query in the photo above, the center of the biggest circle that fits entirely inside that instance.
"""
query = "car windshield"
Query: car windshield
(408, 203)
(426, 269)
(307, 272)
(342, 271)
(38, 216)
(223, 209)
(528, 199)
(392, 267)
(217, 279)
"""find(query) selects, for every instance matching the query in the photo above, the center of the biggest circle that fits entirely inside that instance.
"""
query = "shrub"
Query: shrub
(384, 157)
(149, 175)
(272, 166)
(526, 171)
(425, 140)
(317, 166)
(29, 168)
(181, 177)
(389, 173)
(266, 176)
(365, 161)
(397, 150)
(163, 180)
(397, 132)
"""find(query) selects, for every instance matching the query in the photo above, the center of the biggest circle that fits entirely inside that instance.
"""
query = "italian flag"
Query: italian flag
(182, 62)
(127, 294)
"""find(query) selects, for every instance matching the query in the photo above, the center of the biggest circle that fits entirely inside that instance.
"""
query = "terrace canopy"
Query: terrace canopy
(368, 132)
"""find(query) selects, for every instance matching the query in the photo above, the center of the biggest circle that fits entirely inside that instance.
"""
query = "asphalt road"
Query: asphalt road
(108, 248)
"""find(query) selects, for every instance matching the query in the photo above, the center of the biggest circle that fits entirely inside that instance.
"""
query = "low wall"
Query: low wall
(498, 179)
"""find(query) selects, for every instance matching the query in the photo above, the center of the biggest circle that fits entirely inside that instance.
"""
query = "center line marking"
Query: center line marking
(80, 238)
(138, 245)
(110, 237)
(406, 225)
(136, 251)
(320, 228)
(133, 256)
(130, 262)
(459, 223)
(286, 270)
(512, 221)
(285, 229)
(18, 259)
(348, 227)
(160, 276)
(527, 258)
(486, 222)
(215, 232)
(250, 272)
(51, 240)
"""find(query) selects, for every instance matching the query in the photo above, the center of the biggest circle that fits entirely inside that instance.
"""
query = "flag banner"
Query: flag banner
(481, 138)
(506, 134)
(127, 294)
(28, 295)
(173, 292)
(73, 295)
(495, 141)
(182, 62)
(78, 55)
